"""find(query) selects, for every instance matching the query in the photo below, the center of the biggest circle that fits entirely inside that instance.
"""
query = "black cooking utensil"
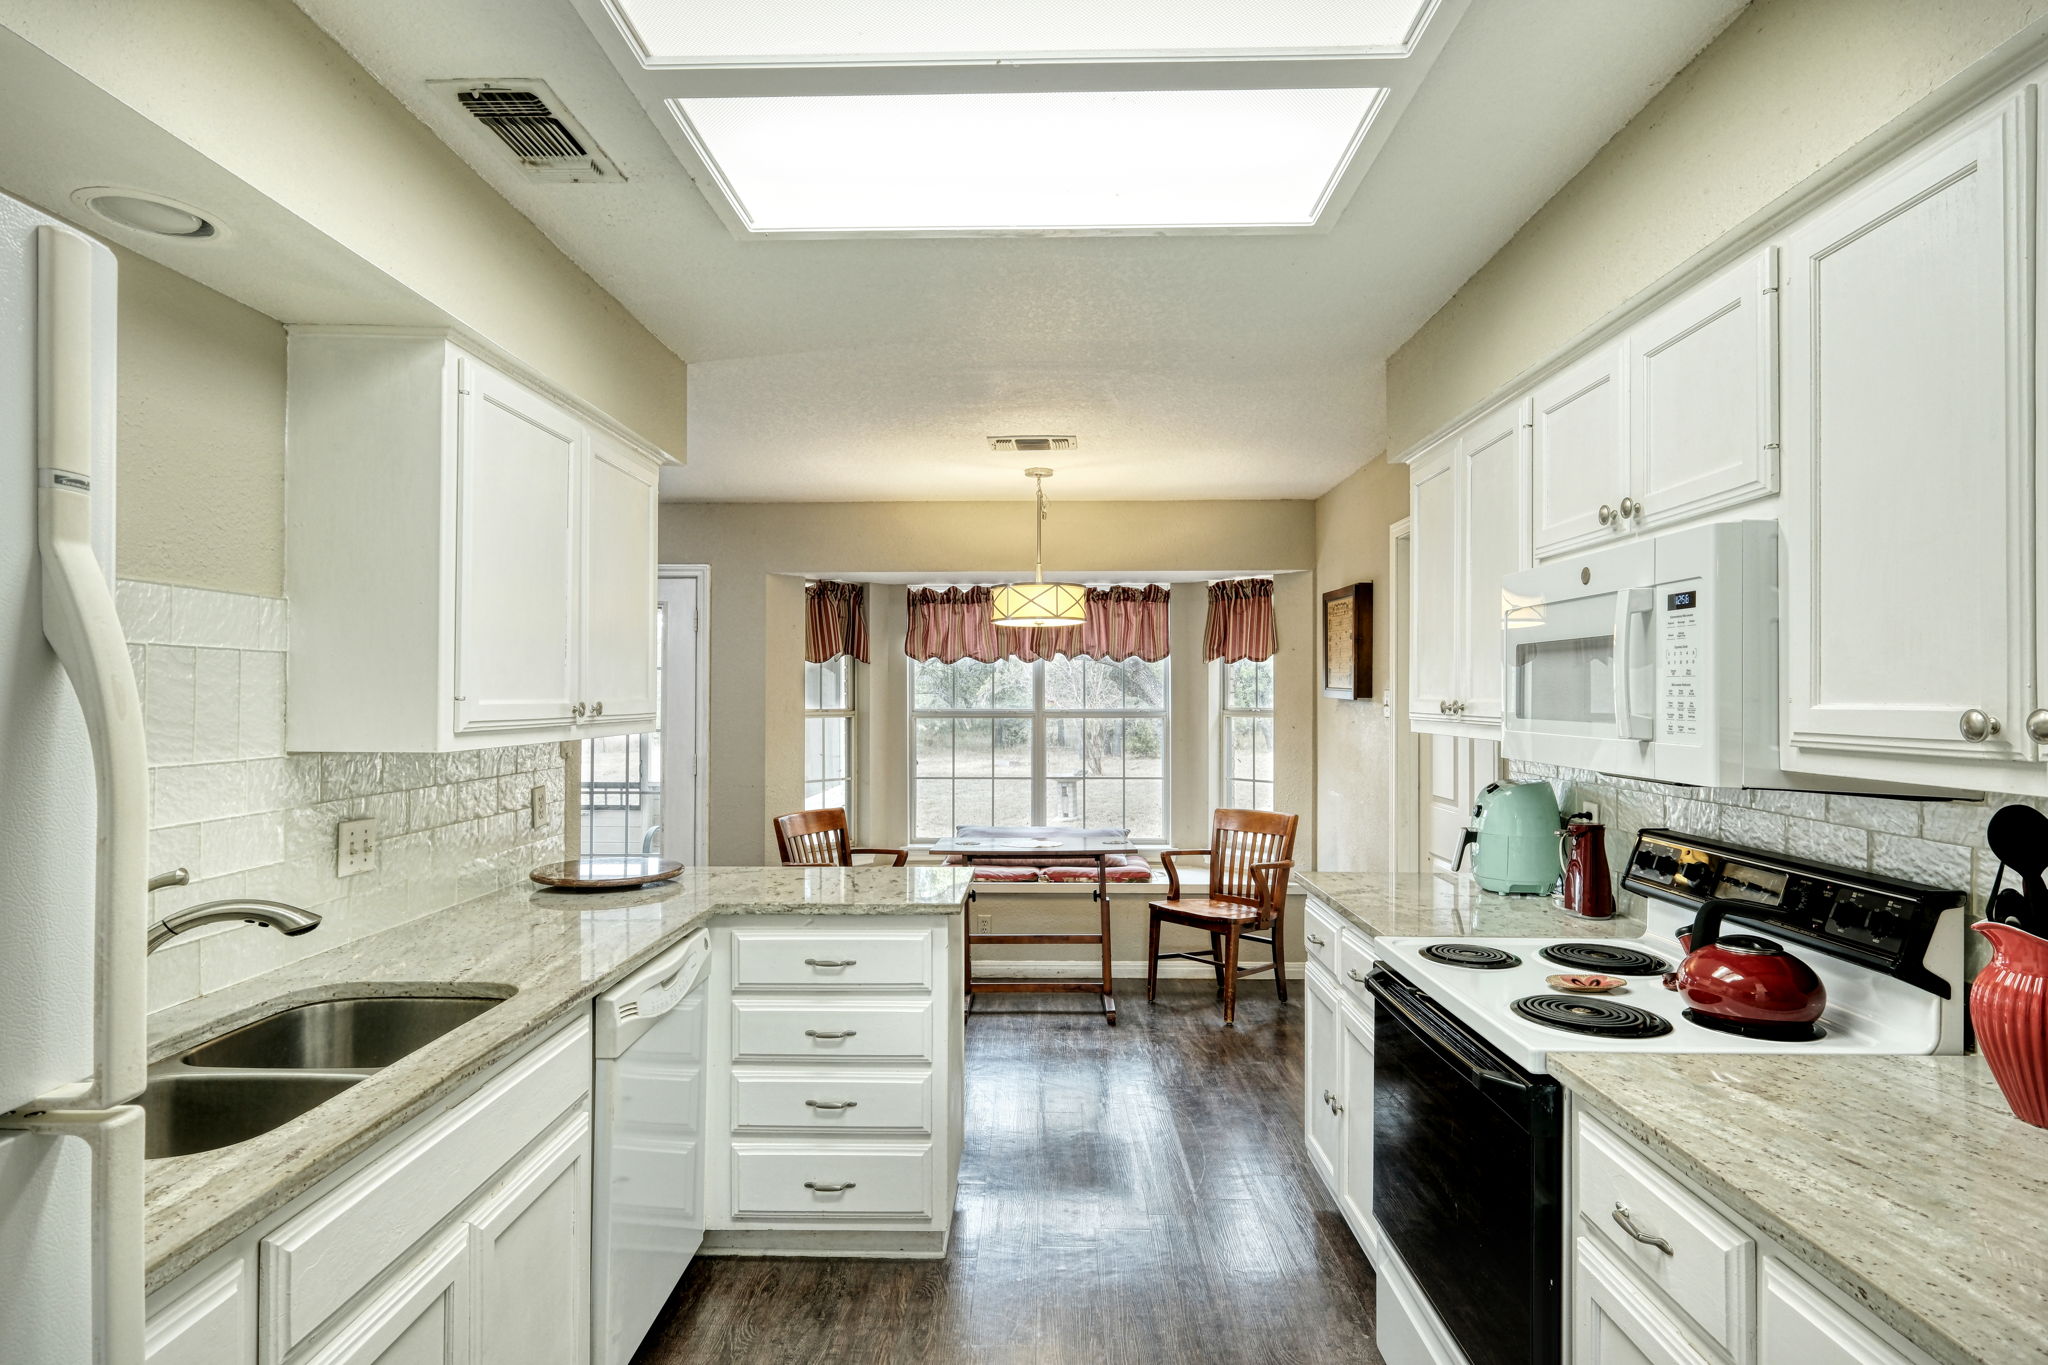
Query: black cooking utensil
(2019, 836)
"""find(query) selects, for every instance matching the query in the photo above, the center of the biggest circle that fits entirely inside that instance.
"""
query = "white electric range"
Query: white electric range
(1468, 1127)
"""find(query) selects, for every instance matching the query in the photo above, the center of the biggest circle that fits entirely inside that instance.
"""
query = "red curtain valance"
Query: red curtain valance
(835, 621)
(951, 624)
(1240, 620)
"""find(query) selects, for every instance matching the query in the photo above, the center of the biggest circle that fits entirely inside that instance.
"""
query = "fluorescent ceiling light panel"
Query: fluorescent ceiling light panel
(722, 32)
(1069, 160)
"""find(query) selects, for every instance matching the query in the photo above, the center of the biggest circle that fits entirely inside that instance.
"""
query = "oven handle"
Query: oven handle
(1428, 1021)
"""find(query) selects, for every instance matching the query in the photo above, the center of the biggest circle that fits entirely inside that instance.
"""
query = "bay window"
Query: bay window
(1245, 704)
(828, 734)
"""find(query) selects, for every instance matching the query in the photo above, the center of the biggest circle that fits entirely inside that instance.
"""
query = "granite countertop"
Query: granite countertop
(1905, 1181)
(1451, 905)
(547, 952)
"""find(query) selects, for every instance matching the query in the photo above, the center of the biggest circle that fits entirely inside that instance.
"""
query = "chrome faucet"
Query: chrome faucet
(286, 919)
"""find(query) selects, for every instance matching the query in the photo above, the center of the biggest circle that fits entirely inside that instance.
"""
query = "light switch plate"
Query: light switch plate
(355, 847)
(537, 800)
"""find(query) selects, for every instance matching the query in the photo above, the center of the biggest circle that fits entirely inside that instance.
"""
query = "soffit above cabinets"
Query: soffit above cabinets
(896, 119)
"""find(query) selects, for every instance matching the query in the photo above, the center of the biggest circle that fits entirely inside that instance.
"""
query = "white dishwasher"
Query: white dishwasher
(648, 1199)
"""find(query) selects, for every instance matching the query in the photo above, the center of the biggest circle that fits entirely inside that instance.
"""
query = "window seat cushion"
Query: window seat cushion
(1006, 874)
(1121, 869)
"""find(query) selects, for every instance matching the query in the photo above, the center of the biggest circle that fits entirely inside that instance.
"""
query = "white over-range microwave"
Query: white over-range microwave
(1657, 658)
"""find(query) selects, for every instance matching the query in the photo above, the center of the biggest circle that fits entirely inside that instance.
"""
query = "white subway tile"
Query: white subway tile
(173, 975)
(262, 704)
(1875, 813)
(344, 776)
(1816, 839)
(1693, 817)
(217, 696)
(241, 843)
(144, 609)
(1805, 805)
(1757, 828)
(217, 620)
(272, 624)
(167, 715)
(173, 846)
(1958, 822)
(1921, 860)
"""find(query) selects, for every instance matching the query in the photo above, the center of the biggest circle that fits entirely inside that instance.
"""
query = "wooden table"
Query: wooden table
(1076, 849)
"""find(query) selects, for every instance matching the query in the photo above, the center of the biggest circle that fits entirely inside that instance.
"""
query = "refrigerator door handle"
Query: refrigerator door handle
(83, 627)
(115, 1139)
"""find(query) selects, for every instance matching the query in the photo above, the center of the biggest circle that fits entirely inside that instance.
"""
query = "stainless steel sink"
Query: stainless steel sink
(183, 1114)
(339, 1035)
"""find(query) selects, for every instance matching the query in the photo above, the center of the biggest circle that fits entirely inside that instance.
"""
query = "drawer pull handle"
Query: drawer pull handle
(1352, 972)
(823, 1188)
(1628, 1225)
(832, 1104)
(1317, 941)
(829, 1035)
(831, 962)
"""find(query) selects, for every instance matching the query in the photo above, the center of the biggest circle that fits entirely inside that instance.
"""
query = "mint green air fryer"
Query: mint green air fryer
(1515, 826)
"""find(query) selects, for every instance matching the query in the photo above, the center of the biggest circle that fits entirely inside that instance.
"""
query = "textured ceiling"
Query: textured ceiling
(1190, 367)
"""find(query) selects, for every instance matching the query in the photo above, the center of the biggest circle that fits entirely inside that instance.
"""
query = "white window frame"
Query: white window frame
(1225, 712)
(1038, 715)
(850, 713)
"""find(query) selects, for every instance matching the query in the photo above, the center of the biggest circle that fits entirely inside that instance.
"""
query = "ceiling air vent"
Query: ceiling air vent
(1032, 445)
(546, 142)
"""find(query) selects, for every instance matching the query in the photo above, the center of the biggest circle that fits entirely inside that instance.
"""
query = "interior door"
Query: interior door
(519, 461)
(683, 722)
(1433, 576)
(1454, 772)
(1580, 452)
(1906, 466)
(1492, 473)
(621, 501)
(1703, 396)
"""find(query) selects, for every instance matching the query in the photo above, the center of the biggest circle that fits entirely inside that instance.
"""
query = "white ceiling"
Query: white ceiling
(1190, 367)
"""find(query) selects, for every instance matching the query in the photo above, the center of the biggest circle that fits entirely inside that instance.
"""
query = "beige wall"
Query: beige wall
(1789, 86)
(200, 383)
(256, 87)
(1355, 739)
(759, 554)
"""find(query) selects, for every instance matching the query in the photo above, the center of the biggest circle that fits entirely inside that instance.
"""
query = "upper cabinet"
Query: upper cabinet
(1468, 529)
(1907, 525)
(470, 561)
(1581, 452)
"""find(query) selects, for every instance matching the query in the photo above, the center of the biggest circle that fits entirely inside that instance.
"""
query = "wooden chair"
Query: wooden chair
(818, 838)
(1250, 853)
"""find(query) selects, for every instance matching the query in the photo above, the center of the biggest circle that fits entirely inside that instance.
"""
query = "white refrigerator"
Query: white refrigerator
(74, 815)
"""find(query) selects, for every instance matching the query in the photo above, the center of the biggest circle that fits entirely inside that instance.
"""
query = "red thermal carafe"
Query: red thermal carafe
(1588, 889)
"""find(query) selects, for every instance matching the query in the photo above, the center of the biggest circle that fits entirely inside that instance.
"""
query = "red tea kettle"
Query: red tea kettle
(1744, 984)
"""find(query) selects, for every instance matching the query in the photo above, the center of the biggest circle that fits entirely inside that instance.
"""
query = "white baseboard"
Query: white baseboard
(990, 969)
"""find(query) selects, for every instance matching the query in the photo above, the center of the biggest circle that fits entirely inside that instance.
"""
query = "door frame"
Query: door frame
(700, 721)
(1405, 838)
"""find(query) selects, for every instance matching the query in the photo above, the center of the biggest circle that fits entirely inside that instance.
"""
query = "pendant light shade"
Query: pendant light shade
(1038, 603)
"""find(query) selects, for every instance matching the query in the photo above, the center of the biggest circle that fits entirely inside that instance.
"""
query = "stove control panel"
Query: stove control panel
(1875, 920)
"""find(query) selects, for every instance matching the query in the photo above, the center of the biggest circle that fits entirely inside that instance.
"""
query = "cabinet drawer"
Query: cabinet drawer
(895, 1031)
(782, 1181)
(1706, 1265)
(828, 1102)
(894, 961)
(1354, 965)
(1320, 932)
(321, 1259)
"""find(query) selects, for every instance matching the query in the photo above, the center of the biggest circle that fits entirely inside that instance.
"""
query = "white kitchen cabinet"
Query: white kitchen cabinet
(1579, 452)
(211, 1321)
(1703, 398)
(1468, 530)
(1801, 1323)
(1354, 1088)
(530, 1242)
(1614, 1322)
(1907, 468)
(422, 1316)
(1321, 1049)
(470, 556)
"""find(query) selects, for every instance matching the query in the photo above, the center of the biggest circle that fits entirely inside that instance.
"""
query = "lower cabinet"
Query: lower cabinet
(211, 1321)
(1354, 1070)
(530, 1242)
(1800, 1322)
(423, 1316)
(1616, 1321)
(1321, 1122)
(1337, 1105)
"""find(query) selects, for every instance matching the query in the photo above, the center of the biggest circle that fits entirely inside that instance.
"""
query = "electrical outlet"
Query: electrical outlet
(537, 801)
(984, 924)
(1592, 808)
(355, 847)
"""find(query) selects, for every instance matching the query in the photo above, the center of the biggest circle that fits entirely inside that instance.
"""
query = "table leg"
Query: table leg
(1102, 900)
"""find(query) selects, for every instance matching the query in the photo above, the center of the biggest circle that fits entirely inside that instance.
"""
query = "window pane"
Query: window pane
(1145, 809)
(1144, 684)
(810, 686)
(1102, 686)
(1013, 685)
(1263, 733)
(1103, 802)
(1240, 749)
(1063, 801)
(1062, 748)
(1013, 801)
(934, 819)
(1063, 684)
(1013, 748)
(973, 748)
(1145, 748)
(1102, 748)
(932, 686)
(934, 748)
(974, 803)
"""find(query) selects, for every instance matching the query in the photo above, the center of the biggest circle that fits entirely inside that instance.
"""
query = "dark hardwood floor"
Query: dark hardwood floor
(1135, 1194)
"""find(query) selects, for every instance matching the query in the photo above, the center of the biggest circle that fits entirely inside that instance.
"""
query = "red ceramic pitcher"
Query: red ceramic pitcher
(2009, 1007)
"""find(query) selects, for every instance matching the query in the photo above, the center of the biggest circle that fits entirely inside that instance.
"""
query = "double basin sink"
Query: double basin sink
(245, 1083)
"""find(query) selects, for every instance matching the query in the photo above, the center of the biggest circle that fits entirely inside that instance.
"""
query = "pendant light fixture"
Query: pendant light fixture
(1039, 603)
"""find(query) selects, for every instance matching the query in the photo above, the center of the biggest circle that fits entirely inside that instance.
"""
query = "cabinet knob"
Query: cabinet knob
(577, 710)
(1630, 509)
(597, 708)
(2037, 726)
(1457, 708)
(1978, 726)
(1606, 515)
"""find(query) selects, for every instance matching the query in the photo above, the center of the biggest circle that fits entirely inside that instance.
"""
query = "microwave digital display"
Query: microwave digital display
(1682, 601)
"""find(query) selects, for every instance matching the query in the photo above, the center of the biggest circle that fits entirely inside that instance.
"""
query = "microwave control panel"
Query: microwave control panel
(1678, 663)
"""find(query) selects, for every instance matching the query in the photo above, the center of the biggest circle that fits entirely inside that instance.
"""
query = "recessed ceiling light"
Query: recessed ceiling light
(1130, 160)
(142, 211)
(717, 32)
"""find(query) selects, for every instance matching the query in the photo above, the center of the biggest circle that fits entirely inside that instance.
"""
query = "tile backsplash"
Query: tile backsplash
(1936, 843)
(248, 819)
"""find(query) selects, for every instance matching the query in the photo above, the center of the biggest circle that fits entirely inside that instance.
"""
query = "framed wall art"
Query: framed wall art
(1347, 642)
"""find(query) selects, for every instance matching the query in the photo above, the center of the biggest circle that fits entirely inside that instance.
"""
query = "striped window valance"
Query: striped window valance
(835, 621)
(951, 624)
(1240, 620)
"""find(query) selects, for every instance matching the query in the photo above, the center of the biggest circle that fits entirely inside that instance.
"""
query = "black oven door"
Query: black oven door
(1467, 1177)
